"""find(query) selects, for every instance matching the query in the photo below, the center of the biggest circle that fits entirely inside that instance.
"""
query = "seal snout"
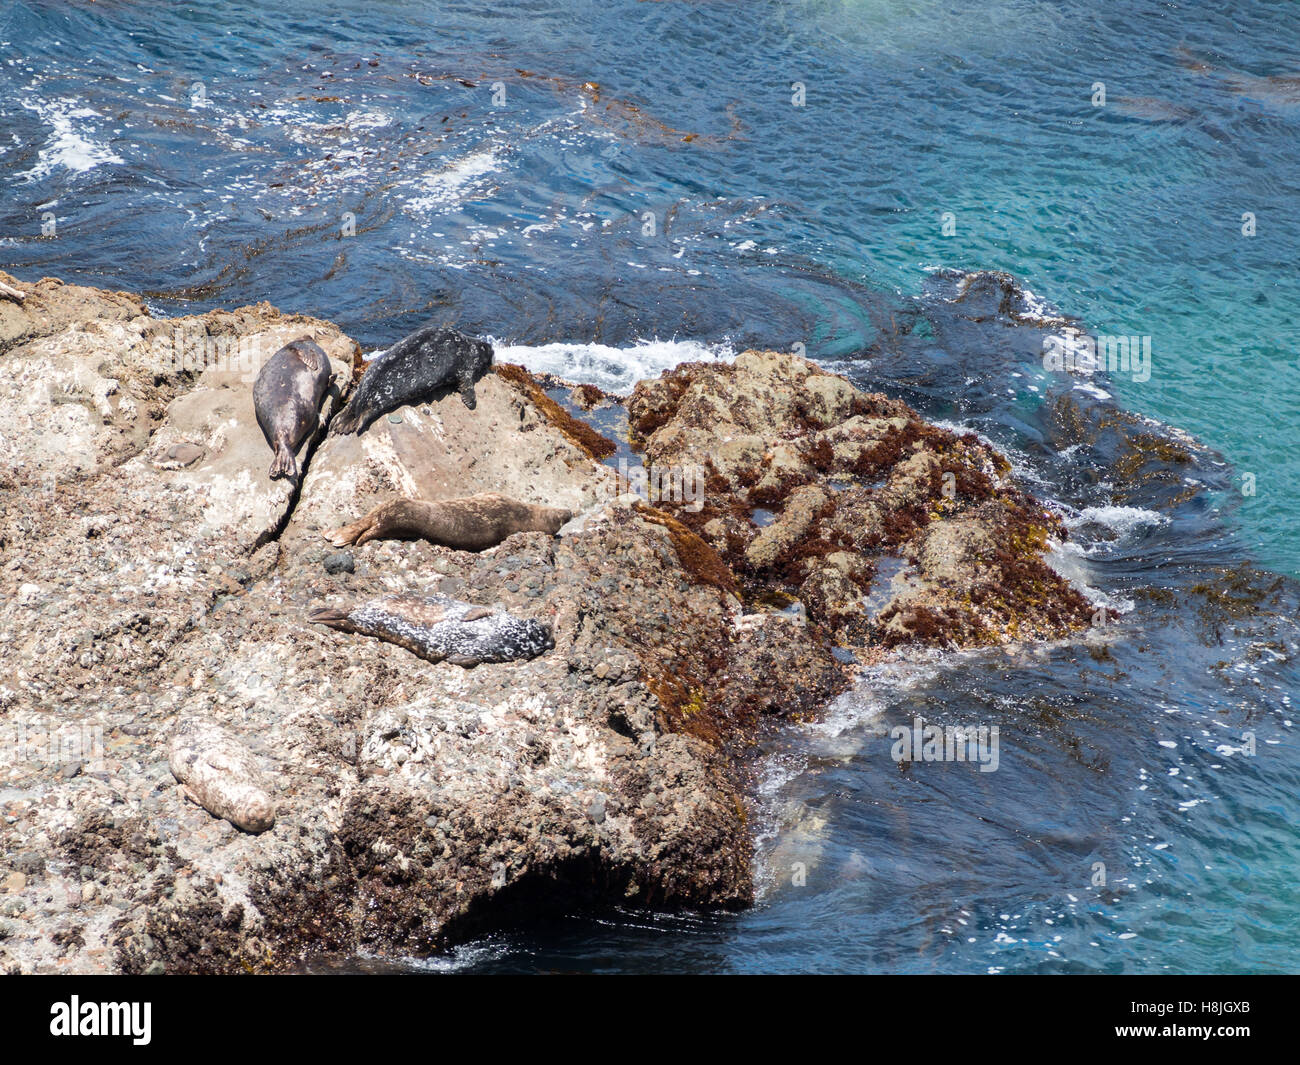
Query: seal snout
(346, 421)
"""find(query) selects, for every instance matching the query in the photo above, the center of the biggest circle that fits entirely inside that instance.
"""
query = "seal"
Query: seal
(287, 396)
(216, 771)
(416, 370)
(439, 628)
(473, 523)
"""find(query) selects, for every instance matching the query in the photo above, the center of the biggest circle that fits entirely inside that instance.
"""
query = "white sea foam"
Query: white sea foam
(1121, 520)
(1070, 562)
(69, 145)
(370, 119)
(615, 370)
(464, 956)
(450, 185)
(1088, 388)
(1039, 308)
(855, 716)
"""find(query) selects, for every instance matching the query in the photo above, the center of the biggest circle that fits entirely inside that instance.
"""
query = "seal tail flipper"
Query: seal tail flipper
(347, 535)
(328, 615)
(378, 524)
(284, 464)
(467, 392)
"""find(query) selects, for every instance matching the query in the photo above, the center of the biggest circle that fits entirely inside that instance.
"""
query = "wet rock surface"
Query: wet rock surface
(886, 529)
(152, 577)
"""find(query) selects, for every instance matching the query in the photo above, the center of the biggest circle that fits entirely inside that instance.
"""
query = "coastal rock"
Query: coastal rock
(96, 506)
(157, 591)
(861, 489)
(337, 562)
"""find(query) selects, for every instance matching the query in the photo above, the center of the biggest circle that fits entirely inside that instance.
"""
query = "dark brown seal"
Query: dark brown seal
(470, 524)
(287, 396)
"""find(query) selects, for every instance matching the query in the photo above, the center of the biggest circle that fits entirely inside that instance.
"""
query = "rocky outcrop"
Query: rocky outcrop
(155, 584)
(885, 529)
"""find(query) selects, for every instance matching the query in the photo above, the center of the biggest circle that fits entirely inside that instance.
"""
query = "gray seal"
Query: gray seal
(287, 396)
(439, 628)
(418, 368)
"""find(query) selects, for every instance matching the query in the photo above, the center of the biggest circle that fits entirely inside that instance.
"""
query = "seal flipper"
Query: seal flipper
(467, 391)
(284, 464)
(331, 616)
(464, 661)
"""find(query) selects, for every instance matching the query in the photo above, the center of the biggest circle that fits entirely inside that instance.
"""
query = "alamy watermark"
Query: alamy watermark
(946, 743)
(131, 1020)
(47, 741)
(683, 485)
(192, 352)
(1082, 353)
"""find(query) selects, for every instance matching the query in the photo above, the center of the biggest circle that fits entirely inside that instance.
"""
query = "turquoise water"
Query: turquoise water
(575, 178)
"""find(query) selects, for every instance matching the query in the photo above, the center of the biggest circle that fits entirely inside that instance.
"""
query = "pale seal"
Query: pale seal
(216, 771)
(473, 523)
(287, 396)
(416, 369)
(439, 628)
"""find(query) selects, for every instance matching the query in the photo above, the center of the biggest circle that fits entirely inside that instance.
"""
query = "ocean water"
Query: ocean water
(920, 193)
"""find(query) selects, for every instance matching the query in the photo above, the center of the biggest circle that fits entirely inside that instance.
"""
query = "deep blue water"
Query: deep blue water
(606, 188)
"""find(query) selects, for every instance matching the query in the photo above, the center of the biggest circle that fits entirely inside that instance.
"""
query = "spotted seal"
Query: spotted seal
(439, 628)
(416, 370)
(216, 771)
(287, 396)
(473, 523)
